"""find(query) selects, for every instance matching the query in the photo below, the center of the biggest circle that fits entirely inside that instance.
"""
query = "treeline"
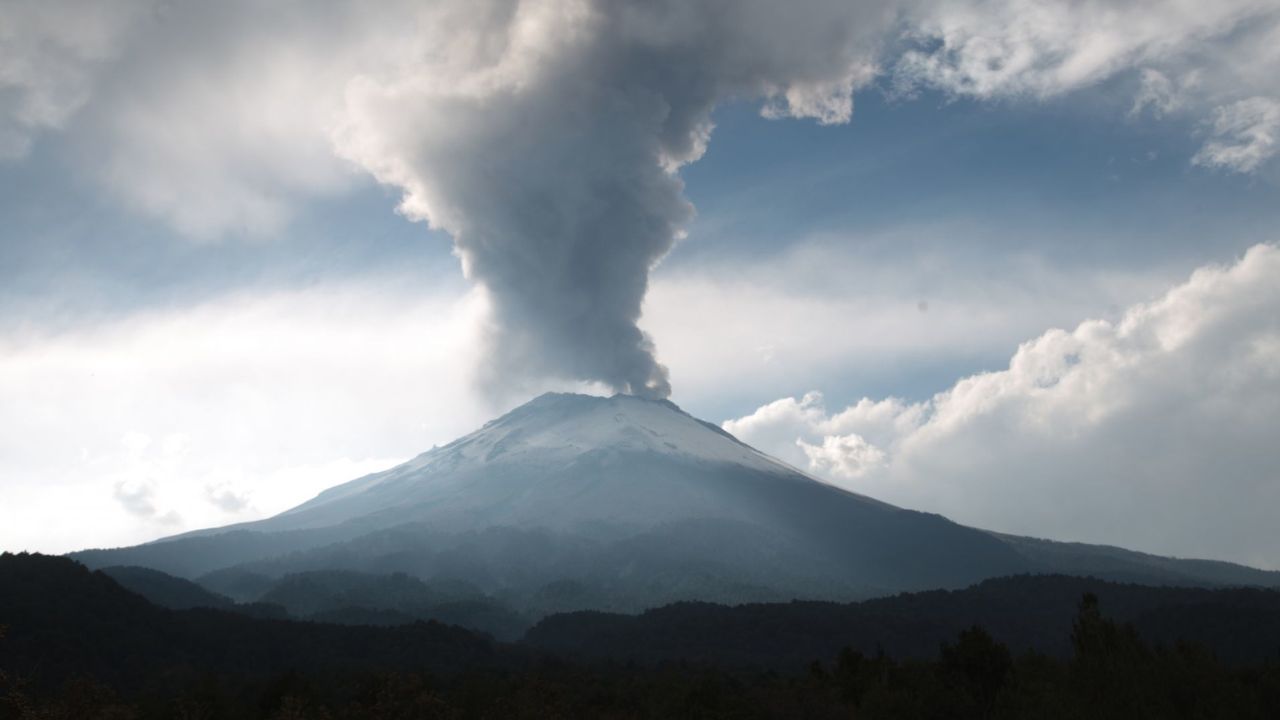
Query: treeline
(65, 621)
(1110, 673)
(1026, 612)
(78, 645)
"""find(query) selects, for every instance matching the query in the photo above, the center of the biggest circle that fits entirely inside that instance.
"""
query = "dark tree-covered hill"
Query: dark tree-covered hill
(1027, 612)
(62, 620)
(166, 590)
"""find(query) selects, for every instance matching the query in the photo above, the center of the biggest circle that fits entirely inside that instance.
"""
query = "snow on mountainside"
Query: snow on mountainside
(556, 428)
(559, 460)
(621, 503)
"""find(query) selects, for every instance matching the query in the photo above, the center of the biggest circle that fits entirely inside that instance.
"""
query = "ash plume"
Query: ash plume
(546, 136)
(548, 146)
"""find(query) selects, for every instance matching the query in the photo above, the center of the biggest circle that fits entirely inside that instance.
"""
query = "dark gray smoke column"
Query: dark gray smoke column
(545, 138)
(563, 228)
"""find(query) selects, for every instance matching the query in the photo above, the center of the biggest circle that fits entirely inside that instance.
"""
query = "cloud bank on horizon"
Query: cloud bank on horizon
(1154, 432)
(546, 137)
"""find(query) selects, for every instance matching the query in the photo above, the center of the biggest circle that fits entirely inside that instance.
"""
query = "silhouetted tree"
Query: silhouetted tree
(981, 663)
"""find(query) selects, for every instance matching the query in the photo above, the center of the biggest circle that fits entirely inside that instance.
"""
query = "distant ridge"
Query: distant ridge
(165, 590)
(68, 621)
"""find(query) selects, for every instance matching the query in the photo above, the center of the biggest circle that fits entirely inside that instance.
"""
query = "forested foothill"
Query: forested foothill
(77, 645)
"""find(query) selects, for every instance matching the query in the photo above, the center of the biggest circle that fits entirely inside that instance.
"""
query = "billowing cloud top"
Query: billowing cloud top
(1155, 431)
(546, 137)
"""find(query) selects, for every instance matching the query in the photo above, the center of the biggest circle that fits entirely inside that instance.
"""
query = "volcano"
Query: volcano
(623, 503)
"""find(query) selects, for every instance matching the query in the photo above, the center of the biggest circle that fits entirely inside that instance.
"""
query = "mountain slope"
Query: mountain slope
(165, 590)
(564, 461)
(573, 502)
(64, 621)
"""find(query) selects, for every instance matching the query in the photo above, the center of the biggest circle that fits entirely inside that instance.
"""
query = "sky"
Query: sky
(1011, 261)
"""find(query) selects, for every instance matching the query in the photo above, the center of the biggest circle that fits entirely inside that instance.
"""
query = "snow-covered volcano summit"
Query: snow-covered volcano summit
(564, 426)
(558, 461)
(617, 492)
(632, 503)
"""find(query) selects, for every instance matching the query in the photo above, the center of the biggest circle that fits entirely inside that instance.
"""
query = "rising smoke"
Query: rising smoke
(545, 136)
(549, 152)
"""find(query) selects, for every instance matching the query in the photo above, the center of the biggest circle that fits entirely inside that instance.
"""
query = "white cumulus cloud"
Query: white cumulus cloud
(1156, 431)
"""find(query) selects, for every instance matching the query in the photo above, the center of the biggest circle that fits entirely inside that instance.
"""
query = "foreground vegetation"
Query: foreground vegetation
(79, 646)
(1111, 673)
